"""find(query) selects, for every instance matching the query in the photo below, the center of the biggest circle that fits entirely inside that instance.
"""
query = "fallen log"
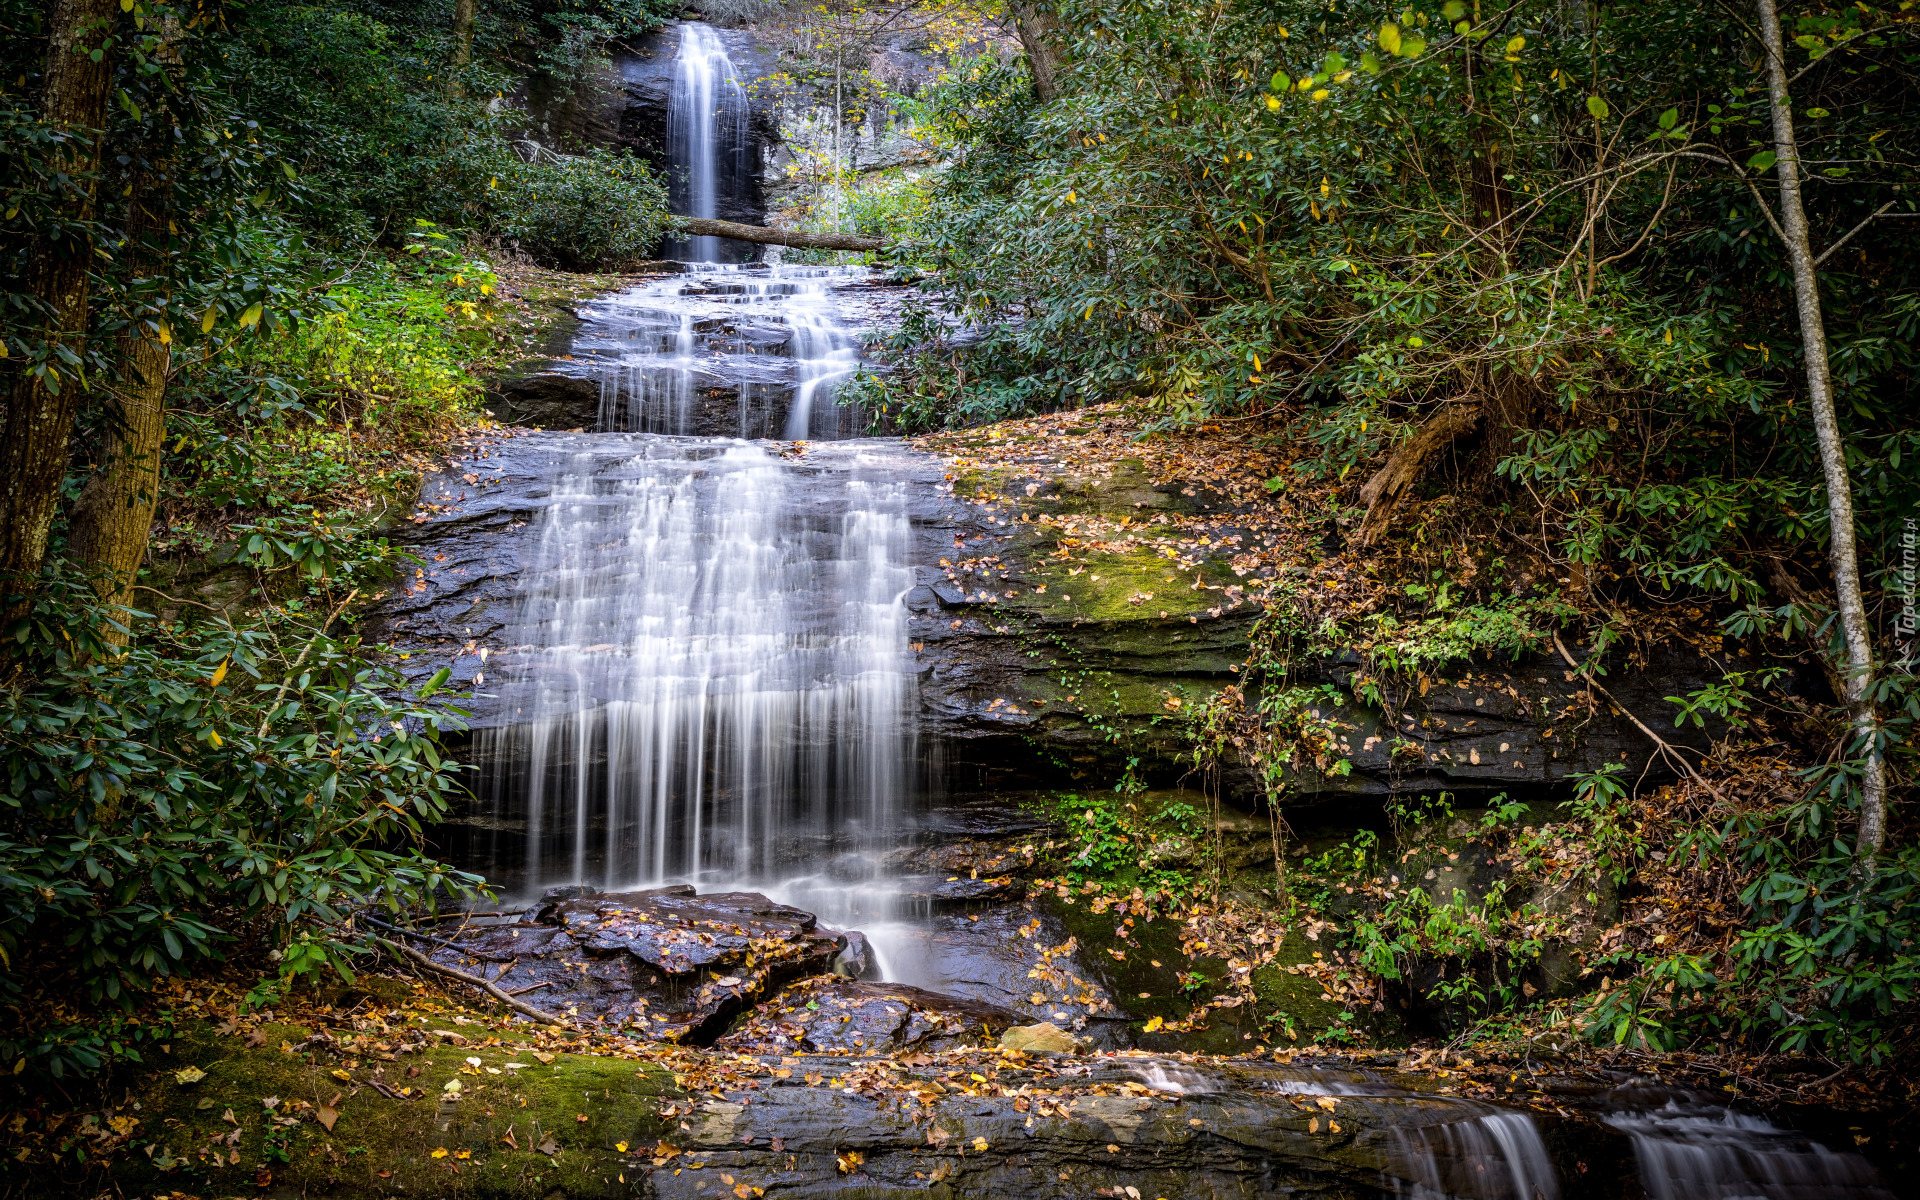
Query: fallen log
(706, 227)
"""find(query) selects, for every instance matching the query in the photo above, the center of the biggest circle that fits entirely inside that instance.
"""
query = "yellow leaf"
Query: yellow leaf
(1273, 102)
(251, 317)
(208, 318)
(620, 1146)
(213, 736)
(186, 1075)
(337, 1073)
(219, 673)
(439, 1152)
(1325, 190)
(1154, 1024)
(980, 1145)
(1320, 94)
(166, 336)
(1390, 38)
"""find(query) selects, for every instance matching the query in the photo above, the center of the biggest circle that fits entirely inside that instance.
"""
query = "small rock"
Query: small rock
(1044, 1038)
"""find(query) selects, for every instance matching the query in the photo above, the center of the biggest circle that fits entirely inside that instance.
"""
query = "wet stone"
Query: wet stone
(845, 1016)
(666, 963)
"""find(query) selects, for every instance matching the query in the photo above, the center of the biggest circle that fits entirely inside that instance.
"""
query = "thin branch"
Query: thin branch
(519, 1006)
(1822, 257)
(1667, 749)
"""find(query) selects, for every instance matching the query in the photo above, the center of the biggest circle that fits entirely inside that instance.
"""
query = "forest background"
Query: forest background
(1537, 277)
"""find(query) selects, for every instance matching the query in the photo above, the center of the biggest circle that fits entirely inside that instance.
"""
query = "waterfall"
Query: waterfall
(706, 134)
(714, 682)
(708, 677)
(1494, 1155)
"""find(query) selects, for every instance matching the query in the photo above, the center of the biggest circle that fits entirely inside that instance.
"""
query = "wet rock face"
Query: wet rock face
(626, 102)
(846, 1016)
(668, 962)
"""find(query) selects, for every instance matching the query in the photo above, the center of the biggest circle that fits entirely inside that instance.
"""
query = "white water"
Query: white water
(706, 130)
(709, 676)
(770, 332)
(1494, 1155)
(1700, 1152)
(712, 682)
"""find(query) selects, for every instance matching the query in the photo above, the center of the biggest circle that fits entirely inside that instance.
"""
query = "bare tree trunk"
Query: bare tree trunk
(1041, 33)
(706, 227)
(114, 516)
(1833, 459)
(1405, 466)
(463, 13)
(41, 407)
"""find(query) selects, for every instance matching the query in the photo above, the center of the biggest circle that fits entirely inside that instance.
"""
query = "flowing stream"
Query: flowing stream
(710, 679)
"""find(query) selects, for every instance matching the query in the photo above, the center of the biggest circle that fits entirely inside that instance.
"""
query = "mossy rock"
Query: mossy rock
(578, 1107)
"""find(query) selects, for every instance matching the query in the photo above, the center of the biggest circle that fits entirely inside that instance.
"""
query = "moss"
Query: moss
(382, 1146)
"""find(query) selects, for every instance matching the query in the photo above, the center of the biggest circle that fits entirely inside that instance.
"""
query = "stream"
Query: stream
(708, 680)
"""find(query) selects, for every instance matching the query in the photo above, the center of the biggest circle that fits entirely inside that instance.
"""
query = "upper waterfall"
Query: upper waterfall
(706, 136)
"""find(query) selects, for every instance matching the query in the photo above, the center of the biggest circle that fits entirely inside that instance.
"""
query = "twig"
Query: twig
(298, 662)
(427, 937)
(531, 988)
(1849, 233)
(1666, 748)
(519, 1006)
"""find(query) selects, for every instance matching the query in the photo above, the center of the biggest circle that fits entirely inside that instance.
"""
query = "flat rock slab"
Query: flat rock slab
(666, 963)
(847, 1016)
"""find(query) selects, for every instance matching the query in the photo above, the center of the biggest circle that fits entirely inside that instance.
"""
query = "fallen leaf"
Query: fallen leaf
(327, 1116)
(620, 1146)
(439, 1152)
(187, 1075)
(543, 1057)
(980, 1145)
(549, 1147)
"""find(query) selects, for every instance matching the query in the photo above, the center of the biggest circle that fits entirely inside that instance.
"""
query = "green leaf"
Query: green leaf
(1453, 10)
(1598, 108)
(1818, 113)
(1390, 38)
(1336, 63)
(1281, 82)
(436, 683)
(1412, 47)
(1369, 63)
(1762, 161)
(1669, 118)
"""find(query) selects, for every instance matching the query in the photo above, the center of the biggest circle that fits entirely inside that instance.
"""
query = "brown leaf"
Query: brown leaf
(549, 1147)
(327, 1116)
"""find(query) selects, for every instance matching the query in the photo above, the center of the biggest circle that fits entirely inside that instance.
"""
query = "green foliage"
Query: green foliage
(599, 210)
(1255, 210)
(256, 780)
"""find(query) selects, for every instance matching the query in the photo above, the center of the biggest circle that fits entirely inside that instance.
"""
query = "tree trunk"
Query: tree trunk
(1404, 467)
(41, 407)
(706, 227)
(1833, 458)
(1040, 33)
(114, 516)
(463, 13)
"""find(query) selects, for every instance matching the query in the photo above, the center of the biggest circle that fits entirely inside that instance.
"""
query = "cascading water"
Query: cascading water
(706, 134)
(709, 679)
(1693, 1151)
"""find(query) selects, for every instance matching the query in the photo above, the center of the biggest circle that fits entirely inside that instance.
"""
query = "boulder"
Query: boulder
(665, 963)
